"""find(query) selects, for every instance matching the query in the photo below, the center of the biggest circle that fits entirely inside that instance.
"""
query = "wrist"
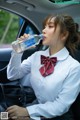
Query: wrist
(26, 112)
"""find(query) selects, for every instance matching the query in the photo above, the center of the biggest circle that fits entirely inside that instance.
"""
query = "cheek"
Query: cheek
(51, 41)
(54, 39)
(47, 41)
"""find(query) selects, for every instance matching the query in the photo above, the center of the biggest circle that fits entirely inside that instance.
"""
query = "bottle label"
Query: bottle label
(28, 43)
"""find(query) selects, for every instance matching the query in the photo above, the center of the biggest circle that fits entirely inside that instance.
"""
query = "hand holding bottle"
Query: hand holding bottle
(25, 36)
(26, 41)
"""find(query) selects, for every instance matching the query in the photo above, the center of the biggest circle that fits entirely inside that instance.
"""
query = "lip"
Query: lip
(44, 38)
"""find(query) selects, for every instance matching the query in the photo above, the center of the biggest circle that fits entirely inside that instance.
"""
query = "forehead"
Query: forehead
(50, 20)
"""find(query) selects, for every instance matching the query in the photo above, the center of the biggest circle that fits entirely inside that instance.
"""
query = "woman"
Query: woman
(54, 74)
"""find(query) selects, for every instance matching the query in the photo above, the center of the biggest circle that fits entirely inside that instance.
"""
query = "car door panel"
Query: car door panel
(4, 60)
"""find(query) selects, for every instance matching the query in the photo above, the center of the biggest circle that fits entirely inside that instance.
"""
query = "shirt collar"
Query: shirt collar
(61, 55)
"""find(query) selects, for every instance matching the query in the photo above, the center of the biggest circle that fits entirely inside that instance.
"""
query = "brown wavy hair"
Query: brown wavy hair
(66, 23)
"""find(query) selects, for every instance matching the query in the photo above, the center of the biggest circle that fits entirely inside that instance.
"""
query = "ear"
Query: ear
(64, 36)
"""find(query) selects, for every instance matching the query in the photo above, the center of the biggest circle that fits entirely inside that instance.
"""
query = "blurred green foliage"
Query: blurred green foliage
(13, 26)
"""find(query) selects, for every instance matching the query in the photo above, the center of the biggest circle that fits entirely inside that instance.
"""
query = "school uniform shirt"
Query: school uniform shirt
(55, 92)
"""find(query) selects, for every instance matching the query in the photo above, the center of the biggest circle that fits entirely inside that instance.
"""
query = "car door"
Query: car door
(24, 26)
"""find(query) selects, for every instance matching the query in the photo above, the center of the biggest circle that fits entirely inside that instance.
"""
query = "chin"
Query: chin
(45, 43)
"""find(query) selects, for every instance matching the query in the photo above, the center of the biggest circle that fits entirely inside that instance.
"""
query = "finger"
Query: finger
(14, 118)
(22, 37)
(19, 39)
(26, 35)
(11, 115)
(11, 107)
(11, 111)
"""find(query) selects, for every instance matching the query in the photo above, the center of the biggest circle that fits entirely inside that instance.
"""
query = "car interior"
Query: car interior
(33, 13)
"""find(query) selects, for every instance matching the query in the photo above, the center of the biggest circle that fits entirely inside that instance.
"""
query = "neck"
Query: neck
(54, 50)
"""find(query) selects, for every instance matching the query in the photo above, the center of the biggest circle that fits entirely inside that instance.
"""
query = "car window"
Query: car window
(10, 25)
(28, 29)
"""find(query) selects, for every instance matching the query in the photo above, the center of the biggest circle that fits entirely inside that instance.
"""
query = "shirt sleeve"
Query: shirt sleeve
(64, 100)
(16, 69)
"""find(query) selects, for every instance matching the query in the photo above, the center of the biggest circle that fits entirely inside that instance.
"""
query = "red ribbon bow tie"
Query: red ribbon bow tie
(48, 66)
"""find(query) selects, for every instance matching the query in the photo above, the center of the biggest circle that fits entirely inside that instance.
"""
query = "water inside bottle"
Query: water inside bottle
(20, 46)
(16, 46)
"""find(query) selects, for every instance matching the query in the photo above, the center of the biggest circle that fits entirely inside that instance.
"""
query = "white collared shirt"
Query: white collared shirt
(56, 92)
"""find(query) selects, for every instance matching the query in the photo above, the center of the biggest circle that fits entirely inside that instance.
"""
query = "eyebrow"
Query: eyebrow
(50, 23)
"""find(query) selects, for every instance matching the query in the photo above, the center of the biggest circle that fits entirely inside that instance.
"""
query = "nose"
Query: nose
(44, 31)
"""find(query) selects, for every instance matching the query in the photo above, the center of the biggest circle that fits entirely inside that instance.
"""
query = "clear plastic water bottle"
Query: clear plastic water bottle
(22, 45)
